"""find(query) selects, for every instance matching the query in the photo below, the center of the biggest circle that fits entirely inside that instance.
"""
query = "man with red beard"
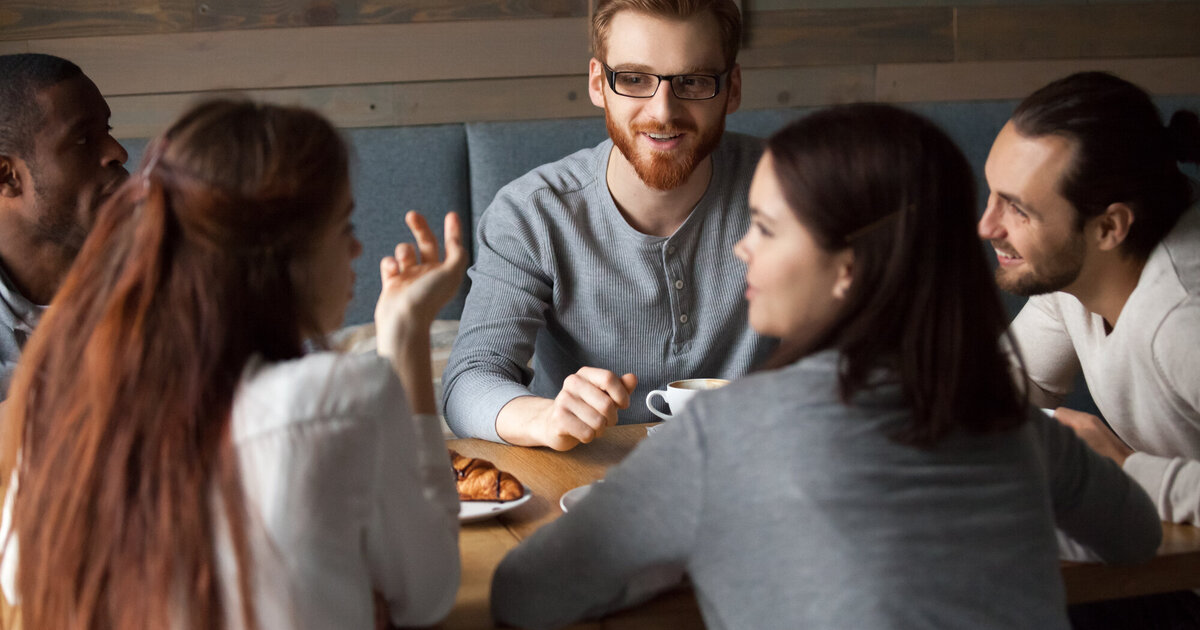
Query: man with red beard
(612, 268)
(58, 163)
(1089, 214)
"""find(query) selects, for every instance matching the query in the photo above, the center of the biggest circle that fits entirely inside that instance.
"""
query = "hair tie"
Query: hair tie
(156, 152)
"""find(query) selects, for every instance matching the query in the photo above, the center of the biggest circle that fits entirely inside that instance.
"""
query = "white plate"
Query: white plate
(574, 495)
(471, 511)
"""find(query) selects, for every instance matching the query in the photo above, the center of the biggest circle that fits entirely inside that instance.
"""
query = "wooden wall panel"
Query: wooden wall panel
(275, 58)
(438, 102)
(766, 88)
(1015, 79)
(30, 19)
(1063, 32)
(836, 37)
(403, 62)
(239, 14)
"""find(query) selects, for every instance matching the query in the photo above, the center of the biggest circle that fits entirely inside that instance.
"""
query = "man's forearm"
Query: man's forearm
(515, 422)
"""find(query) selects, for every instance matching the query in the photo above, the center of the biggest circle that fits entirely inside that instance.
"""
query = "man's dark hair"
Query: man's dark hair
(21, 77)
(1123, 153)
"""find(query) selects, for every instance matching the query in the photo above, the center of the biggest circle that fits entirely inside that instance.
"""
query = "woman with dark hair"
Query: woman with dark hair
(182, 461)
(884, 471)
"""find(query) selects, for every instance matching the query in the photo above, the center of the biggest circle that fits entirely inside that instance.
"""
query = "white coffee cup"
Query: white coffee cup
(678, 393)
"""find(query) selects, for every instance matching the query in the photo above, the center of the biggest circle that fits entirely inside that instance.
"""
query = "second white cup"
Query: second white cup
(678, 393)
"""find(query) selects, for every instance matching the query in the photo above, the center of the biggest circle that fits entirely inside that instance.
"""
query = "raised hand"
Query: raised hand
(416, 287)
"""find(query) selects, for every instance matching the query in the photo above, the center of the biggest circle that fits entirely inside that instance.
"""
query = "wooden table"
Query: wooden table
(549, 474)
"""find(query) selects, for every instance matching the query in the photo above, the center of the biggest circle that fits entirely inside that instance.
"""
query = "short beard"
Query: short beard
(1063, 269)
(55, 226)
(660, 170)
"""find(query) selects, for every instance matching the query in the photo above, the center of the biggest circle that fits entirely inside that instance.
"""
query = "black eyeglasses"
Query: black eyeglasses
(691, 87)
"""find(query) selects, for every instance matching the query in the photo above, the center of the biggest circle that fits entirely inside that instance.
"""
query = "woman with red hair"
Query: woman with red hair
(184, 460)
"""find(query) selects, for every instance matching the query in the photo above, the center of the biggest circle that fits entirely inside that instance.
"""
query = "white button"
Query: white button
(671, 249)
(683, 318)
(679, 284)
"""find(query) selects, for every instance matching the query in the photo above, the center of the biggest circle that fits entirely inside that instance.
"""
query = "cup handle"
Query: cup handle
(663, 395)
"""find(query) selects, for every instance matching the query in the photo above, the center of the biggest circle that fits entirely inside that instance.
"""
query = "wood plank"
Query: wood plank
(13, 47)
(787, 5)
(242, 14)
(438, 102)
(295, 57)
(32, 19)
(219, 15)
(766, 88)
(907, 83)
(849, 36)
(1065, 32)
(143, 116)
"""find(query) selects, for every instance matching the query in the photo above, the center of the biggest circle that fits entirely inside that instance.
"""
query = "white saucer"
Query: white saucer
(471, 511)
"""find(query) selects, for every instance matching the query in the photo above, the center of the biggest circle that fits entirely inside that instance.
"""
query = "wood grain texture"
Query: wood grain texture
(241, 14)
(1063, 32)
(32, 19)
(219, 15)
(334, 55)
(838, 37)
(766, 88)
(907, 83)
(437, 102)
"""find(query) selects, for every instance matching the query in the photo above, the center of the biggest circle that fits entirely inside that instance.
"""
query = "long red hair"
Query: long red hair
(118, 419)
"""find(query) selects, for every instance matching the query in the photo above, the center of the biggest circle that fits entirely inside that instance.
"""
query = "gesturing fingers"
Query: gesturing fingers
(426, 241)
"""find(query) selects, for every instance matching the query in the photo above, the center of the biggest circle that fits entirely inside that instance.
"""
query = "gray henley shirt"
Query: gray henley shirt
(562, 278)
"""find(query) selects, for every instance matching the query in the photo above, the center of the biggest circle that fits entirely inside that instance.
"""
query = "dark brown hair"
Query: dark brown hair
(22, 76)
(1122, 152)
(921, 305)
(121, 405)
(729, 21)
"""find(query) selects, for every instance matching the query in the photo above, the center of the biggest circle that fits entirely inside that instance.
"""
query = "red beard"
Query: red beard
(659, 169)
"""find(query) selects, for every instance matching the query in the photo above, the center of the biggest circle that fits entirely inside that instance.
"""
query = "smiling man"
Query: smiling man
(611, 268)
(1089, 214)
(58, 163)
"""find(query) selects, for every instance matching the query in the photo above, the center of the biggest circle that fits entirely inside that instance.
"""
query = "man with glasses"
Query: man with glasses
(612, 268)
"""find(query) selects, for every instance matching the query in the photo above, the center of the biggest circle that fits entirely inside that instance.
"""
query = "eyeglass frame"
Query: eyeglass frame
(611, 75)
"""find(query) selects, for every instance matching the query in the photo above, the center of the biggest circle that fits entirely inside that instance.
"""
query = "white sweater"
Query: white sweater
(347, 493)
(1144, 375)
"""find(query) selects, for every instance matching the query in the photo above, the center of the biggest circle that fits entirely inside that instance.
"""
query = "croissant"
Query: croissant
(480, 480)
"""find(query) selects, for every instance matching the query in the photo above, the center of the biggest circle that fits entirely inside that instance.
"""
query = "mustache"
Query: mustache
(671, 128)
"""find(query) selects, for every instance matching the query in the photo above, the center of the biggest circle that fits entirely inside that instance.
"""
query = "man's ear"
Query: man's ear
(845, 273)
(1111, 228)
(10, 178)
(596, 82)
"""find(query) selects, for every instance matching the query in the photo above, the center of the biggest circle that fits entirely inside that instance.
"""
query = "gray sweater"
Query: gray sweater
(562, 278)
(788, 509)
